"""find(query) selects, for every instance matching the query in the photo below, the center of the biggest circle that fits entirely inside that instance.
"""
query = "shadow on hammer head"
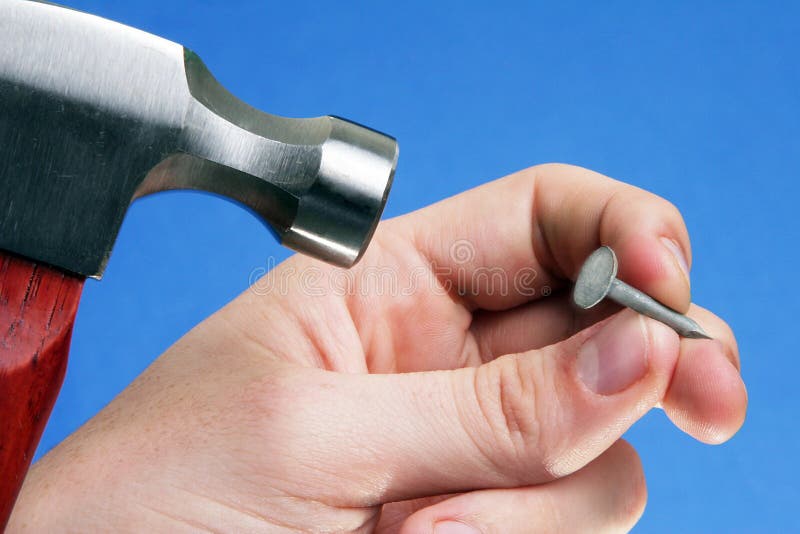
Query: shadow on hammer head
(94, 114)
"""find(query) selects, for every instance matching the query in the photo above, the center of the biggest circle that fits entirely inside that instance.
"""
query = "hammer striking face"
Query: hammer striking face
(94, 114)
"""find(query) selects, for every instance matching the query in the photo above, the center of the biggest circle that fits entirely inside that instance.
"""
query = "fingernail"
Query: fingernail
(615, 357)
(677, 253)
(454, 527)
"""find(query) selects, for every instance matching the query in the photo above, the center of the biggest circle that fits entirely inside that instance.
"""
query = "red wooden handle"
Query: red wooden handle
(37, 310)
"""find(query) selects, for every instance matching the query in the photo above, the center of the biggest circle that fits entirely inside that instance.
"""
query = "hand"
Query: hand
(446, 401)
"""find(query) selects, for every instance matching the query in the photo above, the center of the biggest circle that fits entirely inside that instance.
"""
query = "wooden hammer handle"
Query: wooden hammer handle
(37, 311)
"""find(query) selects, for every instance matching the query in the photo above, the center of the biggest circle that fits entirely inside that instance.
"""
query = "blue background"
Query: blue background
(696, 101)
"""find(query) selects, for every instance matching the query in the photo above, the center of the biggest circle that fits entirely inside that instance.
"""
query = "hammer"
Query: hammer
(95, 114)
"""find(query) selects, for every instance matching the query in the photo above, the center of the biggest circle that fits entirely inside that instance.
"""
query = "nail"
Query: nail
(614, 358)
(597, 280)
(454, 527)
(677, 253)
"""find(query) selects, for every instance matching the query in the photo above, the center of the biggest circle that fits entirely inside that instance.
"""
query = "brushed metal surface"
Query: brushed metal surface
(94, 114)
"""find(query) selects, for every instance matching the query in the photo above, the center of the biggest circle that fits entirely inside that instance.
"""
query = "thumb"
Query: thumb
(519, 420)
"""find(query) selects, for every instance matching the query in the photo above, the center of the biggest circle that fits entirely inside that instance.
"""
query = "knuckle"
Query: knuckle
(554, 169)
(266, 400)
(511, 392)
(634, 505)
(557, 167)
(632, 491)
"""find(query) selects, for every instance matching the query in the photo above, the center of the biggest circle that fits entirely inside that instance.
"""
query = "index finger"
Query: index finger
(532, 230)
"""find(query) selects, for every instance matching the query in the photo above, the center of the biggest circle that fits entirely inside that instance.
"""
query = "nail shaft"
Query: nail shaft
(623, 294)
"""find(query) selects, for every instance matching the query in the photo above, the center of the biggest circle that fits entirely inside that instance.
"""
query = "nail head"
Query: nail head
(595, 278)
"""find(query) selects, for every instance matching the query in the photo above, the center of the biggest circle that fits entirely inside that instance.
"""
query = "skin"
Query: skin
(298, 409)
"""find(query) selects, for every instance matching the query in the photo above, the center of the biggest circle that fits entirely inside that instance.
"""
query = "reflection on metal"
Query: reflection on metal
(94, 114)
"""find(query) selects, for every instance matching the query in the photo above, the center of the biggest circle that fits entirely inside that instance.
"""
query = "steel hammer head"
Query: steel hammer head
(94, 114)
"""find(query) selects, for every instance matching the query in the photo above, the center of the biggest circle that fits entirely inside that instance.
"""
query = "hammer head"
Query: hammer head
(94, 114)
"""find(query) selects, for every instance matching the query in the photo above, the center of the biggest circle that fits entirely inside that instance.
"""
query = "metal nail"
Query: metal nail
(598, 280)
